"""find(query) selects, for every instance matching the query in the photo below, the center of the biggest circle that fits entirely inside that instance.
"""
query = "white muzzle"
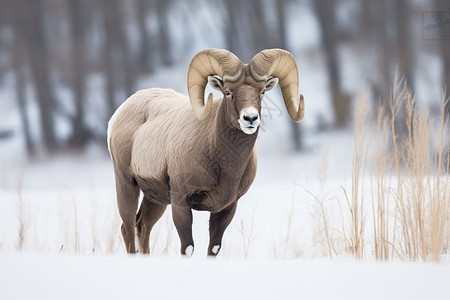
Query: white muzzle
(249, 120)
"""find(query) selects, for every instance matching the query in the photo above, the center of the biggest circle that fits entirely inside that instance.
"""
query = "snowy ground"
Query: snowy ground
(67, 204)
(120, 277)
(71, 246)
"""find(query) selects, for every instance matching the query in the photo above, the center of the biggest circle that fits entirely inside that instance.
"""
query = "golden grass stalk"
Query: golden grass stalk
(411, 213)
(409, 183)
(356, 205)
(380, 208)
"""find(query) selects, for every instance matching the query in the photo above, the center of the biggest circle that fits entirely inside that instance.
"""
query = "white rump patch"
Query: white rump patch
(189, 250)
(110, 125)
(215, 249)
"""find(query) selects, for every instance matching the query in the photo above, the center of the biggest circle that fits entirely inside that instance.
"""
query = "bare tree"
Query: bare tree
(247, 29)
(19, 59)
(325, 11)
(108, 58)
(77, 20)
(405, 55)
(119, 69)
(3, 21)
(258, 25)
(163, 14)
(444, 45)
(281, 41)
(33, 12)
(446, 73)
(232, 28)
(375, 23)
(145, 58)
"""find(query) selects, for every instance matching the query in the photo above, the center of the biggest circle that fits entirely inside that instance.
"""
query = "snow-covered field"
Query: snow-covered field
(60, 237)
(25, 276)
(67, 204)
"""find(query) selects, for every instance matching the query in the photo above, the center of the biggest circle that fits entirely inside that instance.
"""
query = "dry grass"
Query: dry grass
(403, 176)
(356, 205)
(247, 233)
(409, 182)
(416, 203)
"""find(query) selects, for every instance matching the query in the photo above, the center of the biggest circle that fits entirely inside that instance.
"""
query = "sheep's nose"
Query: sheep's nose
(251, 118)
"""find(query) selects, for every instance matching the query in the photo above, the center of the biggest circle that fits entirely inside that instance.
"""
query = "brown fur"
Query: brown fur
(158, 146)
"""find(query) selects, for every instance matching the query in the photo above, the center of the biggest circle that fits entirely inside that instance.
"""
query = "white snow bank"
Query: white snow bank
(121, 277)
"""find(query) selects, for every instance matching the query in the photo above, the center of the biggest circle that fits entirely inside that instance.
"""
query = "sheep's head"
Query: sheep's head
(242, 85)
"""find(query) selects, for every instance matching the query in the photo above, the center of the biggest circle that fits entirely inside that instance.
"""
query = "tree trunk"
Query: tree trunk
(18, 60)
(145, 59)
(258, 27)
(23, 107)
(325, 10)
(162, 11)
(282, 43)
(446, 74)
(405, 60)
(79, 131)
(108, 58)
(232, 28)
(442, 5)
(375, 24)
(404, 46)
(40, 72)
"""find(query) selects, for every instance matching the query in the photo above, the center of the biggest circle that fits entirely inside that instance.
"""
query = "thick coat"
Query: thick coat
(181, 151)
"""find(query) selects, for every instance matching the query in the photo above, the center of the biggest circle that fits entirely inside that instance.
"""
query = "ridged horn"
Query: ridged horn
(281, 64)
(206, 63)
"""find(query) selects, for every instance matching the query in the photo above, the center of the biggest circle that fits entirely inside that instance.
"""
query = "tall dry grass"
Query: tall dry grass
(356, 203)
(409, 181)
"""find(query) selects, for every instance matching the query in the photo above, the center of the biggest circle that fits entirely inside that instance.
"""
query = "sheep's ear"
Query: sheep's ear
(216, 83)
(271, 83)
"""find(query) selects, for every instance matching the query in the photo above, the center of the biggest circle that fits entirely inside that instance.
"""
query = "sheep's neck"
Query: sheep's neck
(233, 145)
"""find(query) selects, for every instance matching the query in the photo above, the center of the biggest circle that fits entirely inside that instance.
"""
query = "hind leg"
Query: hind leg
(127, 202)
(149, 213)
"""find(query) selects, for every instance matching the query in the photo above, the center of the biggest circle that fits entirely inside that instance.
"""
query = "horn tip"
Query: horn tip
(301, 110)
(204, 112)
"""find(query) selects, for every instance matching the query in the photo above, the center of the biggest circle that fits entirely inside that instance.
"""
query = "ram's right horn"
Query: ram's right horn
(281, 64)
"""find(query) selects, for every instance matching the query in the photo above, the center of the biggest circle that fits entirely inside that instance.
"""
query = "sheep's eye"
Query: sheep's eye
(227, 93)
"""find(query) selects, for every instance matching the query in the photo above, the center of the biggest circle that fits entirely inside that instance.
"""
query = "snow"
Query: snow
(24, 276)
(72, 247)
(68, 204)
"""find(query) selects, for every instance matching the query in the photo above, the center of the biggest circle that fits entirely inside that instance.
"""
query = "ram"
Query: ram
(182, 151)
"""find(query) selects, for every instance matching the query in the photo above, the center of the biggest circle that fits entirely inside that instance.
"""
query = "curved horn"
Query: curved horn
(206, 63)
(281, 64)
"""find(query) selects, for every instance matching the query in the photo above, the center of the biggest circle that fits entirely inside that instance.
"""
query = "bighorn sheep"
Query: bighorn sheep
(178, 150)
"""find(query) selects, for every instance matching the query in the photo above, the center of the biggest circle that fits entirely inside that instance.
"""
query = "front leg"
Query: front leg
(182, 218)
(218, 222)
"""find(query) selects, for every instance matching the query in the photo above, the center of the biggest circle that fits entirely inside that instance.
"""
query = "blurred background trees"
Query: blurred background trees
(66, 65)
